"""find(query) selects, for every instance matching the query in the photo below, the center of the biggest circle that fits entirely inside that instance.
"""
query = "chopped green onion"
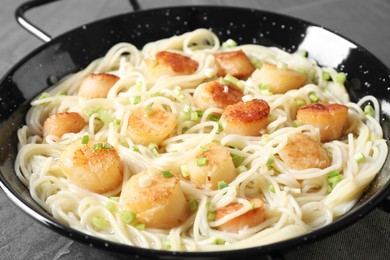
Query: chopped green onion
(271, 188)
(219, 241)
(184, 116)
(200, 113)
(135, 100)
(61, 92)
(117, 121)
(256, 62)
(326, 76)
(44, 95)
(153, 146)
(184, 170)
(229, 43)
(156, 94)
(211, 216)
(265, 138)
(282, 65)
(270, 163)
(266, 92)
(340, 77)
(209, 208)
(148, 110)
(100, 222)
(264, 87)
(140, 226)
(359, 157)
(107, 146)
(300, 102)
(334, 177)
(167, 244)
(89, 112)
(167, 174)
(333, 173)
(220, 127)
(193, 205)
(104, 115)
(313, 97)
(369, 110)
(204, 148)
(229, 78)
(85, 139)
(222, 185)
(213, 117)
(241, 169)
(180, 94)
(296, 123)
(194, 116)
(97, 146)
(201, 161)
(111, 207)
(237, 160)
(135, 148)
(127, 216)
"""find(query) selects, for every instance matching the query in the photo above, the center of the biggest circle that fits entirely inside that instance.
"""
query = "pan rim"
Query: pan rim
(339, 224)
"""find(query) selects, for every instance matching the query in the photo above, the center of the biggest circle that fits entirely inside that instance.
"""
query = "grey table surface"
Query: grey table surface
(366, 22)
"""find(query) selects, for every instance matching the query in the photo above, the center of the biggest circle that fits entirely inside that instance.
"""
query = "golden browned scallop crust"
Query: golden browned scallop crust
(97, 85)
(96, 170)
(218, 166)
(235, 63)
(158, 201)
(329, 118)
(278, 80)
(146, 127)
(178, 63)
(216, 94)
(301, 152)
(245, 118)
(62, 123)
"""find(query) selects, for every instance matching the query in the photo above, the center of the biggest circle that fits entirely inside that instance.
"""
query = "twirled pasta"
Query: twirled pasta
(295, 200)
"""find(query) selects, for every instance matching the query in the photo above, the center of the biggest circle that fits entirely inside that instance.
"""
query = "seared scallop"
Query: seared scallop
(150, 125)
(245, 118)
(251, 218)
(329, 118)
(93, 166)
(62, 123)
(156, 198)
(301, 152)
(97, 85)
(216, 94)
(278, 80)
(171, 64)
(211, 165)
(235, 63)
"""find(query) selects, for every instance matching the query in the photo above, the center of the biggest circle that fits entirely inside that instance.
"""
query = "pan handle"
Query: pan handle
(35, 30)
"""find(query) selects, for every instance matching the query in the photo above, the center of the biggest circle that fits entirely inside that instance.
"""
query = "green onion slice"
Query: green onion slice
(167, 174)
(85, 139)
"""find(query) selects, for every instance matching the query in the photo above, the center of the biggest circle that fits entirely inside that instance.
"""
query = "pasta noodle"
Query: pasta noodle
(296, 201)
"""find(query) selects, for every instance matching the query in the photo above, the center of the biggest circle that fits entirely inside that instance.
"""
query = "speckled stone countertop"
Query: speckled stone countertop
(365, 22)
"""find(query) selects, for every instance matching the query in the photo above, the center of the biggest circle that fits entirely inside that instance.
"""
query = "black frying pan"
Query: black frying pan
(75, 49)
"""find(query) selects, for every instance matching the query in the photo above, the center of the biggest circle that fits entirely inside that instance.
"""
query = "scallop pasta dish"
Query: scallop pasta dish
(194, 144)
